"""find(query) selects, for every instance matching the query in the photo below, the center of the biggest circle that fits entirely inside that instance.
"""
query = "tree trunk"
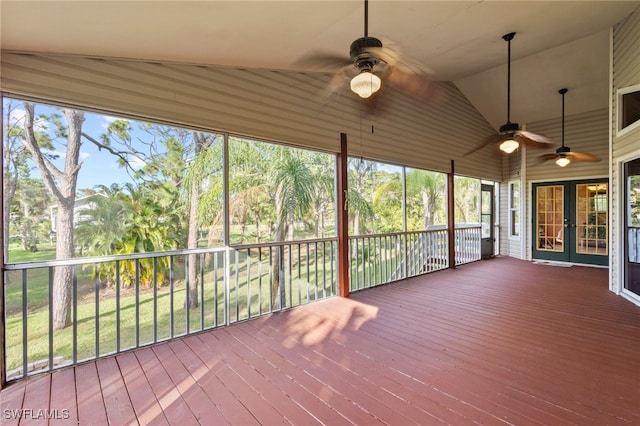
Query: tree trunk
(63, 275)
(277, 282)
(192, 243)
(62, 184)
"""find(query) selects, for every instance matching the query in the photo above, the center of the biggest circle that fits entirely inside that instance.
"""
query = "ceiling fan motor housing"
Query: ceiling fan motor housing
(563, 149)
(509, 127)
(358, 49)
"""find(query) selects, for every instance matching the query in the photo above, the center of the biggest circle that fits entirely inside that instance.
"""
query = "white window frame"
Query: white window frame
(514, 208)
(620, 131)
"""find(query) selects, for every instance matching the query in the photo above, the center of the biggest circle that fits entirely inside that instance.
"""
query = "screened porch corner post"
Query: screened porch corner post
(4, 257)
(451, 218)
(2, 333)
(342, 162)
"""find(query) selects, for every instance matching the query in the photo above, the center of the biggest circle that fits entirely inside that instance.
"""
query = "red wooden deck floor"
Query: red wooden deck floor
(495, 342)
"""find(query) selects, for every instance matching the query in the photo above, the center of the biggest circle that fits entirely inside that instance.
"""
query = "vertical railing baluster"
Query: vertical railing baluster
(155, 299)
(74, 297)
(187, 284)
(299, 275)
(50, 283)
(25, 335)
(215, 289)
(290, 269)
(248, 283)
(117, 284)
(237, 280)
(260, 281)
(201, 260)
(270, 279)
(137, 289)
(171, 296)
(96, 283)
(308, 261)
(334, 282)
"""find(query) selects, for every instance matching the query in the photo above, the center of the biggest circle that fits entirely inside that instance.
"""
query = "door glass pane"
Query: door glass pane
(550, 218)
(591, 218)
(486, 201)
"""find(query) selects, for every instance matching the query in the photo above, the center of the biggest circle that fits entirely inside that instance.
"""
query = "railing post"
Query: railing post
(343, 218)
(451, 218)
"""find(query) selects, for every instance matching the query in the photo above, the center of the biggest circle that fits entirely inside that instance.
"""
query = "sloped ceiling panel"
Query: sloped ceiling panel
(281, 106)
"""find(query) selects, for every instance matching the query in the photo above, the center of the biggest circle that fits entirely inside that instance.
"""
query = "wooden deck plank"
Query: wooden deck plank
(268, 365)
(36, 401)
(11, 402)
(231, 408)
(116, 398)
(495, 342)
(91, 408)
(63, 397)
(198, 401)
(174, 407)
(143, 401)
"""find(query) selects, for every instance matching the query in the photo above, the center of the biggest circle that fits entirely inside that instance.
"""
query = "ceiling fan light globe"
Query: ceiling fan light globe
(562, 161)
(509, 146)
(365, 84)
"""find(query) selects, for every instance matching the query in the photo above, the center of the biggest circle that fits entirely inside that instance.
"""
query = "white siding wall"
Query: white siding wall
(625, 73)
(286, 107)
(586, 132)
(512, 171)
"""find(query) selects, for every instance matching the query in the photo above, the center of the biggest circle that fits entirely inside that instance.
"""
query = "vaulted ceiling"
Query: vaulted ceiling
(558, 43)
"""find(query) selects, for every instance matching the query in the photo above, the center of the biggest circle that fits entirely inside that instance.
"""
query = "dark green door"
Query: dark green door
(570, 221)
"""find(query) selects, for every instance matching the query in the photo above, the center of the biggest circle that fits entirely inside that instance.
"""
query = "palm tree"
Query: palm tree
(360, 172)
(429, 187)
(293, 185)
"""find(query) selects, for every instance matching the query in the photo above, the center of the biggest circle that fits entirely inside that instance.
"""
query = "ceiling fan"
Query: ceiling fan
(564, 155)
(510, 136)
(371, 66)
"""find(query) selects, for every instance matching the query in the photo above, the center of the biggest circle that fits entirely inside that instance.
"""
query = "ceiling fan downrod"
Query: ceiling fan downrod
(508, 38)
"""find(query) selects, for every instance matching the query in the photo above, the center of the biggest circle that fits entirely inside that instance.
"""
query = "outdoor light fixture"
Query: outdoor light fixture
(365, 84)
(509, 146)
(562, 161)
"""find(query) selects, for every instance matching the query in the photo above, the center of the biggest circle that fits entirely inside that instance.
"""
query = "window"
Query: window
(628, 109)
(514, 210)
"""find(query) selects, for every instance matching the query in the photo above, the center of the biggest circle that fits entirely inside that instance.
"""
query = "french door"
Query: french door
(571, 221)
(632, 226)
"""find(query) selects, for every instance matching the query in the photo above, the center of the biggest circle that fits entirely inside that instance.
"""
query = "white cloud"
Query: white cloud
(137, 163)
(84, 155)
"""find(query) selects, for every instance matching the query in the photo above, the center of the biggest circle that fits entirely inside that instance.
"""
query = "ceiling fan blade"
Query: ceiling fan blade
(582, 156)
(497, 139)
(340, 80)
(420, 86)
(547, 157)
(532, 140)
(322, 61)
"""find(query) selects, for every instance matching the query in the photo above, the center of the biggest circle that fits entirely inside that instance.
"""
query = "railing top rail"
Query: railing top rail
(282, 243)
(146, 255)
(109, 258)
(397, 234)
